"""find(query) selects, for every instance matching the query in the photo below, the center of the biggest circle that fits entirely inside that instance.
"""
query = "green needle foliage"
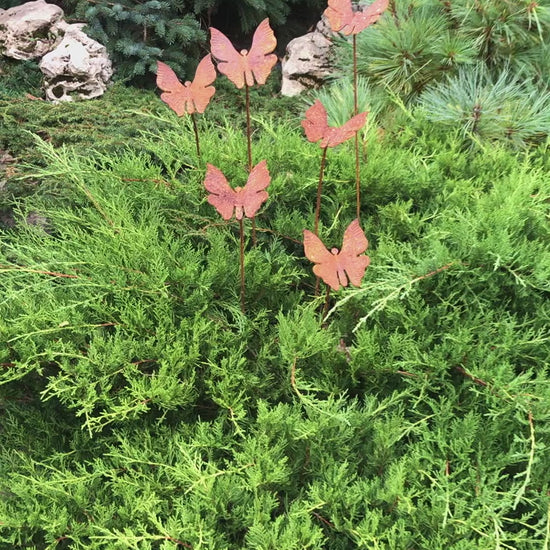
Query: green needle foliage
(506, 109)
(141, 410)
(338, 100)
(418, 42)
(448, 53)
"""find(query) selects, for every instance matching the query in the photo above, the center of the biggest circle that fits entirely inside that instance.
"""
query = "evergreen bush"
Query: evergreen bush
(415, 416)
(507, 108)
(440, 52)
(19, 77)
(419, 42)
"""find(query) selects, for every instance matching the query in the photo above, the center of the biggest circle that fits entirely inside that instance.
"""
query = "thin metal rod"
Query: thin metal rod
(319, 189)
(248, 129)
(355, 112)
(355, 99)
(327, 302)
(249, 149)
(196, 129)
(254, 231)
(241, 230)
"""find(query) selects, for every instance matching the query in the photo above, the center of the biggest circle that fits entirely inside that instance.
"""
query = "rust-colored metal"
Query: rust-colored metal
(337, 268)
(245, 67)
(245, 201)
(343, 19)
(191, 97)
(319, 189)
(317, 129)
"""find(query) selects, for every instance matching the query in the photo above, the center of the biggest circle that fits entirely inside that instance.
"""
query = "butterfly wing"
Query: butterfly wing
(370, 15)
(253, 195)
(325, 263)
(230, 62)
(340, 15)
(350, 258)
(337, 135)
(260, 59)
(221, 196)
(176, 95)
(315, 124)
(200, 88)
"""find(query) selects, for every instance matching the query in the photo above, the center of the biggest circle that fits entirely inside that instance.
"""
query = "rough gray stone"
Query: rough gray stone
(78, 68)
(307, 62)
(27, 31)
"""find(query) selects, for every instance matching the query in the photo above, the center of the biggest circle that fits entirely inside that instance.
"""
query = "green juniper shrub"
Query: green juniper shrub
(414, 416)
(19, 77)
(105, 123)
(110, 124)
(141, 409)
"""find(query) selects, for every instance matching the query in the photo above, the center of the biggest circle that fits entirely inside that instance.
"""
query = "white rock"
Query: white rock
(26, 30)
(78, 67)
(307, 61)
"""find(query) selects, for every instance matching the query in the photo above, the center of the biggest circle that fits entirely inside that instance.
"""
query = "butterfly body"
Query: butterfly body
(339, 267)
(189, 97)
(243, 201)
(343, 19)
(317, 129)
(246, 66)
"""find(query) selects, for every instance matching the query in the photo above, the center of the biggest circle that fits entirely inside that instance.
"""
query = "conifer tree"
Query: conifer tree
(480, 67)
(420, 42)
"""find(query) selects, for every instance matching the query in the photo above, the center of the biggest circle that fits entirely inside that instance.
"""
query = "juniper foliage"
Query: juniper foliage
(140, 408)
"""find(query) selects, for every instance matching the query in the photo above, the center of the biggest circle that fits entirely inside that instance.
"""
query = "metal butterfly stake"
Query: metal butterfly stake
(190, 97)
(338, 267)
(244, 68)
(317, 130)
(342, 18)
(245, 201)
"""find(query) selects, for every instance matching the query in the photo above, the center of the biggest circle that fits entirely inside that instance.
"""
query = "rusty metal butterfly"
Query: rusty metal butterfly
(242, 201)
(192, 96)
(317, 129)
(247, 66)
(335, 267)
(342, 18)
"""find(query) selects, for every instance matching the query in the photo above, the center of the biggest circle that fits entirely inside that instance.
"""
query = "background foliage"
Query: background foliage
(418, 42)
(137, 33)
(480, 67)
